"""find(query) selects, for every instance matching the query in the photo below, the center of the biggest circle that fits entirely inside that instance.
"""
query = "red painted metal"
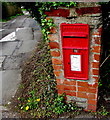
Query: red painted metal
(88, 10)
(58, 12)
(75, 41)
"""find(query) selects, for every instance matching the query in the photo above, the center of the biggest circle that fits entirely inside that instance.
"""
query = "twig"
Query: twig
(104, 61)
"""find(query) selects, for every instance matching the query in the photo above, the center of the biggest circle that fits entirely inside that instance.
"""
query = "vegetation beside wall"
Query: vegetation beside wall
(37, 95)
(37, 9)
(104, 83)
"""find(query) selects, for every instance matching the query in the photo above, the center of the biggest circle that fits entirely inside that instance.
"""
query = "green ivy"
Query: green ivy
(46, 6)
(47, 25)
(103, 111)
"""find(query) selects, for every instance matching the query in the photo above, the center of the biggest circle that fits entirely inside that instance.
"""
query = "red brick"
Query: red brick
(95, 85)
(53, 45)
(55, 53)
(96, 79)
(70, 93)
(95, 72)
(91, 96)
(97, 40)
(96, 57)
(57, 67)
(88, 10)
(84, 84)
(96, 49)
(60, 91)
(96, 33)
(95, 64)
(68, 87)
(92, 107)
(66, 82)
(56, 61)
(57, 73)
(58, 81)
(83, 89)
(60, 87)
(82, 95)
(48, 18)
(87, 89)
(58, 12)
(53, 30)
(92, 102)
(67, 92)
(53, 37)
(100, 30)
(92, 90)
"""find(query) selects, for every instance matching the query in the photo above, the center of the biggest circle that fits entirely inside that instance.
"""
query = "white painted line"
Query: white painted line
(2, 58)
(9, 37)
(13, 21)
(1, 30)
(0, 65)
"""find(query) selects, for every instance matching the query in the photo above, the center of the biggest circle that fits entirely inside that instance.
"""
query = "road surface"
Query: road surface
(20, 37)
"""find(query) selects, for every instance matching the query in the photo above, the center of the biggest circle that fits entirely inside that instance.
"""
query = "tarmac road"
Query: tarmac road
(18, 22)
(19, 37)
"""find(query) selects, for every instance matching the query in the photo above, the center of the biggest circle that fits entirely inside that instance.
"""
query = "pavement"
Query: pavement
(19, 38)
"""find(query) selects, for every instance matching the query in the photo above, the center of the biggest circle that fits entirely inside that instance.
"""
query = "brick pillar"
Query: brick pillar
(83, 92)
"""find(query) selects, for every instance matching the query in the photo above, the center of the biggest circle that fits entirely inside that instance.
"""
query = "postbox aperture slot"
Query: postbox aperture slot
(74, 36)
(75, 42)
(75, 50)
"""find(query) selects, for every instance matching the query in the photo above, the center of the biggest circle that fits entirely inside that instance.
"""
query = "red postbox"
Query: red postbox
(75, 48)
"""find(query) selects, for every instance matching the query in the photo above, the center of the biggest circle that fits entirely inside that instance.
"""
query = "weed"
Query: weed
(103, 111)
(39, 97)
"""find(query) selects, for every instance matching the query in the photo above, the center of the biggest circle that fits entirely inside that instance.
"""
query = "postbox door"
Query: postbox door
(75, 63)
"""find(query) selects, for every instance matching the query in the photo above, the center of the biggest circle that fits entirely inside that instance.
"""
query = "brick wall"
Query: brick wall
(83, 92)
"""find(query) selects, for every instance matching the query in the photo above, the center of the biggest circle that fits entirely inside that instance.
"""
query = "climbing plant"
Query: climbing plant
(47, 24)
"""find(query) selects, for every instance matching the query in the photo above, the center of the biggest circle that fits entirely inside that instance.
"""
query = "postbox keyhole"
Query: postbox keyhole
(75, 50)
